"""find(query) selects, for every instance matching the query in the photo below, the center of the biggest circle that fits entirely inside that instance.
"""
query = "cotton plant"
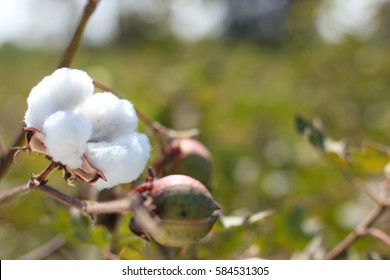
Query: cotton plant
(94, 138)
(92, 135)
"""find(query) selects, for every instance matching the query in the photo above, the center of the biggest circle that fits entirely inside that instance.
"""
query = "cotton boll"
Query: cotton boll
(66, 137)
(121, 161)
(63, 90)
(110, 116)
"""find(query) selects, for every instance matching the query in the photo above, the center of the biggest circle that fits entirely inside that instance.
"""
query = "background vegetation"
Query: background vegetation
(243, 95)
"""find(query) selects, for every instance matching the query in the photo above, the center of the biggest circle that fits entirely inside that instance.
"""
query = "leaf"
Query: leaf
(311, 132)
(99, 236)
(131, 253)
(77, 229)
(240, 221)
(331, 150)
(370, 158)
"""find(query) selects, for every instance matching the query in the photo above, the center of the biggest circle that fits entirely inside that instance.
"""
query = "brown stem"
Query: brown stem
(358, 232)
(131, 203)
(165, 130)
(36, 181)
(75, 41)
(68, 200)
(45, 250)
(122, 205)
(4, 197)
(380, 235)
(7, 159)
(362, 186)
(2, 146)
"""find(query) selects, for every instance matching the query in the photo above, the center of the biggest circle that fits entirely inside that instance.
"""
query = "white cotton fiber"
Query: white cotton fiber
(110, 116)
(121, 161)
(63, 90)
(66, 137)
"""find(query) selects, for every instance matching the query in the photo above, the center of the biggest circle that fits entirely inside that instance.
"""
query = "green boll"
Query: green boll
(189, 157)
(182, 198)
(183, 208)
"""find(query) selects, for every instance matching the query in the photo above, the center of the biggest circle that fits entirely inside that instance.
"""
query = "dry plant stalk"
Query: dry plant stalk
(365, 228)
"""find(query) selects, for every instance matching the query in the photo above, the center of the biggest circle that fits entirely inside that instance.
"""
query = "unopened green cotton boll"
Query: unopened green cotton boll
(184, 208)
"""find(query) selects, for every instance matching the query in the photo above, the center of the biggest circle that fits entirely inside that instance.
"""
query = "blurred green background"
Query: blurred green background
(242, 90)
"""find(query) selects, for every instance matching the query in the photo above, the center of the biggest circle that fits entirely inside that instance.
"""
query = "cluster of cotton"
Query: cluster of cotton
(78, 125)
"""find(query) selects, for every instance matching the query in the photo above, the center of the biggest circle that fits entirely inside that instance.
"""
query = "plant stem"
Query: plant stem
(362, 186)
(8, 157)
(156, 126)
(122, 205)
(361, 230)
(2, 146)
(36, 181)
(380, 235)
(4, 197)
(68, 200)
(74, 43)
(45, 250)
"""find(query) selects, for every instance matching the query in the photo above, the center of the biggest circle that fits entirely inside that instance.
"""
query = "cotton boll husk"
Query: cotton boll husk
(66, 137)
(63, 90)
(110, 116)
(121, 161)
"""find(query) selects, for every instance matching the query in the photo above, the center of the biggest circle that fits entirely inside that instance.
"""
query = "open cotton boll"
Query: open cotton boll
(110, 116)
(66, 135)
(121, 161)
(63, 90)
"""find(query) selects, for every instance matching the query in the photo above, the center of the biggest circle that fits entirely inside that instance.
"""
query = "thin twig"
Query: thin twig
(131, 203)
(7, 159)
(68, 200)
(156, 126)
(165, 130)
(2, 147)
(380, 235)
(358, 232)
(9, 155)
(45, 250)
(4, 197)
(122, 205)
(36, 181)
(362, 186)
(75, 42)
